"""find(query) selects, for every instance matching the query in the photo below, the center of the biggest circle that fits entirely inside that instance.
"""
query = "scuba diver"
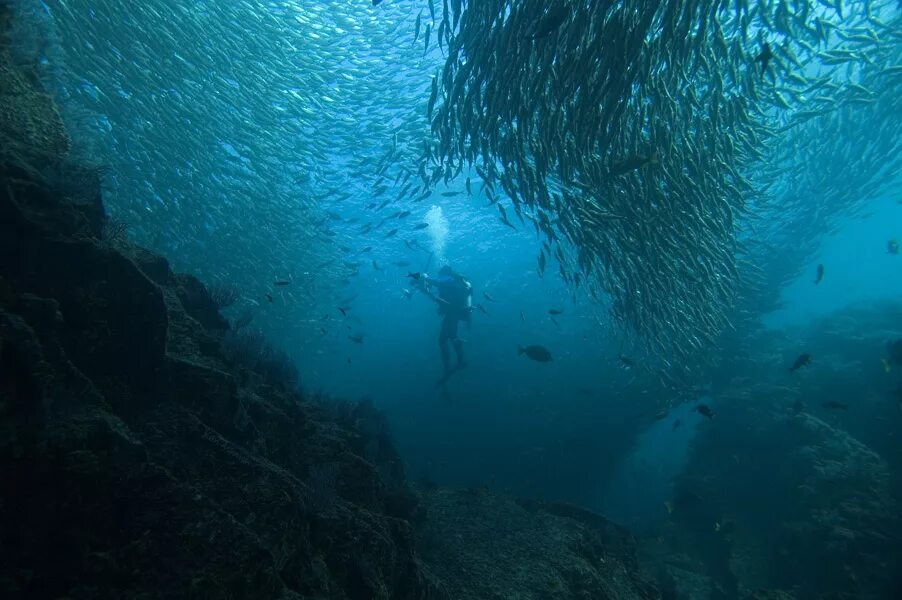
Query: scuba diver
(454, 296)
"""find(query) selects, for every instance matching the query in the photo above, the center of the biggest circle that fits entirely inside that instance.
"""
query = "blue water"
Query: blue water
(857, 267)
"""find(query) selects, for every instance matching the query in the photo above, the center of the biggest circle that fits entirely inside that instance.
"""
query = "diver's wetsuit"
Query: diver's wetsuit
(454, 294)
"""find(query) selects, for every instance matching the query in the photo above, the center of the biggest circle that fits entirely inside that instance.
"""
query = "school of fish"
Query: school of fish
(670, 154)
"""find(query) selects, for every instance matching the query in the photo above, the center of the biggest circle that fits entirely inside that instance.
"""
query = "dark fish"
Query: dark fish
(343, 311)
(676, 425)
(391, 233)
(269, 297)
(551, 21)
(421, 226)
(626, 361)
(555, 311)
(375, 3)
(488, 297)
(365, 250)
(282, 283)
(553, 320)
(522, 317)
(764, 56)
(631, 164)
(416, 29)
(802, 361)
(403, 214)
(834, 405)
(820, 274)
(705, 410)
(482, 309)
(322, 331)
(536, 353)
(357, 338)
(401, 263)
(450, 194)
(892, 247)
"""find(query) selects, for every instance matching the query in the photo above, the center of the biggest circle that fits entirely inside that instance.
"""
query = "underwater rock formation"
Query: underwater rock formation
(776, 499)
(134, 460)
(486, 546)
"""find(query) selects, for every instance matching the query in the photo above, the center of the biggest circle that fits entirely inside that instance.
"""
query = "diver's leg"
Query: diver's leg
(444, 338)
(458, 346)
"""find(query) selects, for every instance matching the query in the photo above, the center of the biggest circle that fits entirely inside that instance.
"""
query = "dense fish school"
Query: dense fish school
(641, 141)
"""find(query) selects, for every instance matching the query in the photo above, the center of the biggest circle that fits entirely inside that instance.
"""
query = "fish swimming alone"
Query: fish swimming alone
(764, 56)
(705, 411)
(803, 360)
(820, 274)
(535, 352)
(892, 247)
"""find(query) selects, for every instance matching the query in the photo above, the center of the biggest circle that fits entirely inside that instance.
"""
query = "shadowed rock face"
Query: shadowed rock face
(779, 500)
(134, 460)
(486, 546)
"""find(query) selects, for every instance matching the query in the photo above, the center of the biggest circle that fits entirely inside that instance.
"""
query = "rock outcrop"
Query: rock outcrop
(776, 499)
(135, 461)
(486, 546)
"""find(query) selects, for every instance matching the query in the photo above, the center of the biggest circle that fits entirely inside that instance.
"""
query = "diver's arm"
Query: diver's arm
(439, 282)
(424, 287)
